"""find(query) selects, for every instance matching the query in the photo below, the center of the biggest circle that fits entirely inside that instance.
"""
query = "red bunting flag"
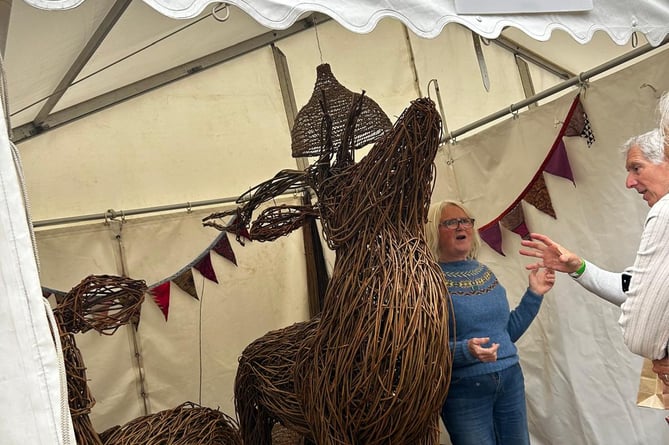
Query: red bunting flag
(161, 295)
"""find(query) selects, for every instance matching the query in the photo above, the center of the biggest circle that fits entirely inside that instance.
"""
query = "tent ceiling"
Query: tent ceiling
(62, 65)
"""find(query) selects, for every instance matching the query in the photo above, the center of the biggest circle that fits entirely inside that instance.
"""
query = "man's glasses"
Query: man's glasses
(452, 224)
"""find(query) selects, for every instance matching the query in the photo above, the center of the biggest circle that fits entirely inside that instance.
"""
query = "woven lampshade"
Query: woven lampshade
(308, 133)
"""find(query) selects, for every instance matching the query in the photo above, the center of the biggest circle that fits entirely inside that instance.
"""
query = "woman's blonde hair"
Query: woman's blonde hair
(432, 228)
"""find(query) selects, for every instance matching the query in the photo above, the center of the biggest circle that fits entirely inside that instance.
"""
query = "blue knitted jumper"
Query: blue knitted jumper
(480, 309)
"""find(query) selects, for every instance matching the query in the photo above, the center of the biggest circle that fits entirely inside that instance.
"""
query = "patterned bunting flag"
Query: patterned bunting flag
(224, 248)
(579, 124)
(538, 196)
(161, 295)
(186, 282)
(515, 221)
(587, 131)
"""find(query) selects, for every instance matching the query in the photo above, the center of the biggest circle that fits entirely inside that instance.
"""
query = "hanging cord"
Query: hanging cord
(133, 324)
(449, 155)
(220, 7)
(318, 40)
(199, 401)
(62, 374)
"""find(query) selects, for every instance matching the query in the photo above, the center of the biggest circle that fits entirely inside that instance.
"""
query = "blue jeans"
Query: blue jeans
(487, 409)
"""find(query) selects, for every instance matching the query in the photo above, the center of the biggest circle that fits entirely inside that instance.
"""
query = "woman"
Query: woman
(486, 399)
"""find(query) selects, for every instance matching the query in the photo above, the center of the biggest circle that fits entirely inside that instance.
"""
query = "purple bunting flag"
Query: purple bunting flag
(205, 268)
(492, 235)
(558, 163)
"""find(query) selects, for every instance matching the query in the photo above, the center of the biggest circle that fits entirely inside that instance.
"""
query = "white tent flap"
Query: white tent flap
(426, 18)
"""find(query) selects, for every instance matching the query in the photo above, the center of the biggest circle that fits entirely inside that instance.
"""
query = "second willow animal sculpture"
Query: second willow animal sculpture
(374, 366)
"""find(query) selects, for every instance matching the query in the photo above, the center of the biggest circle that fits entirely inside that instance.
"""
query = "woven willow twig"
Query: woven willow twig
(284, 436)
(103, 303)
(308, 133)
(275, 222)
(187, 424)
(282, 182)
(264, 386)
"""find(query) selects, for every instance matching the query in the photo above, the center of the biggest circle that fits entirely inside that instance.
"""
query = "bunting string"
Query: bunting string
(536, 192)
(161, 290)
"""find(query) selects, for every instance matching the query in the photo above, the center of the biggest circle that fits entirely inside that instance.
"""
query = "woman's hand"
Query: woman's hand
(541, 280)
(484, 354)
(552, 255)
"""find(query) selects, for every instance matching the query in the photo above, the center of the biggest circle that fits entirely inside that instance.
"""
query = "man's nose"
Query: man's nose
(630, 182)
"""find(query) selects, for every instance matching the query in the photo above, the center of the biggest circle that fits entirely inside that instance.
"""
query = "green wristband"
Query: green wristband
(580, 270)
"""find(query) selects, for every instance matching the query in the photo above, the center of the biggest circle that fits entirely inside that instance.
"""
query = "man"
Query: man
(642, 291)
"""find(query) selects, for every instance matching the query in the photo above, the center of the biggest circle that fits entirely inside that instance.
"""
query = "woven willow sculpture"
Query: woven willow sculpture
(374, 367)
(104, 303)
(378, 367)
(187, 424)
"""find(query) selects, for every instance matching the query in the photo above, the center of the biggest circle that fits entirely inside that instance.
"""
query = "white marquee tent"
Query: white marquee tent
(133, 120)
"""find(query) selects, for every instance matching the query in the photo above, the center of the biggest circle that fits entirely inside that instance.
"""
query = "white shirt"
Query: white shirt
(645, 306)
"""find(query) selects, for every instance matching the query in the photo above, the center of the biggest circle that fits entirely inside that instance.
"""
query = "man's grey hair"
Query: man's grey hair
(651, 145)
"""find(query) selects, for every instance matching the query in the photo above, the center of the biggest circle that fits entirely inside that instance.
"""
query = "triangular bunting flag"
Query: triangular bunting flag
(579, 124)
(558, 163)
(238, 226)
(243, 231)
(492, 235)
(576, 123)
(161, 295)
(224, 248)
(515, 221)
(537, 195)
(587, 131)
(186, 282)
(205, 268)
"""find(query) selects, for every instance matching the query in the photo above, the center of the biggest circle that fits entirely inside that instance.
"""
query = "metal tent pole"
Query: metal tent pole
(582, 77)
(112, 214)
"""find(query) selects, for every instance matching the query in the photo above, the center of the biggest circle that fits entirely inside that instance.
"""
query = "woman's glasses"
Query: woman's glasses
(452, 224)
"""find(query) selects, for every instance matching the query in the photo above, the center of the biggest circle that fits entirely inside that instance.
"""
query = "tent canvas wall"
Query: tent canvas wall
(220, 131)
